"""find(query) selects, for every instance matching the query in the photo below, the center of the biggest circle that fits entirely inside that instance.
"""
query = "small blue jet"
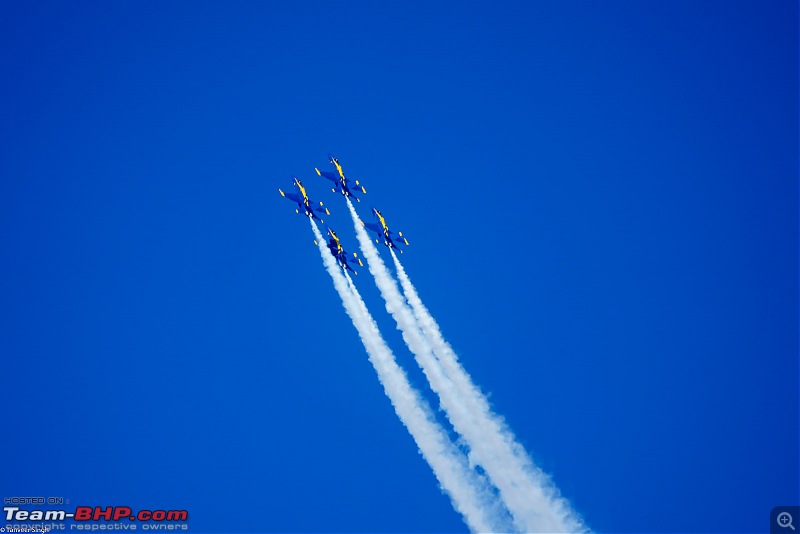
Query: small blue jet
(340, 183)
(390, 239)
(338, 252)
(303, 202)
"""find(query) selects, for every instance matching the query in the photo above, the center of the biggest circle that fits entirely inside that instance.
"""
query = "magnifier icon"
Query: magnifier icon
(785, 520)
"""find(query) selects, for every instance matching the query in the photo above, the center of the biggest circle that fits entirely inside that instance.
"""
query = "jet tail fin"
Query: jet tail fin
(322, 209)
(355, 259)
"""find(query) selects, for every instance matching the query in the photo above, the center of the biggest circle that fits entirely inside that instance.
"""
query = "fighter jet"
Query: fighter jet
(390, 239)
(303, 202)
(340, 183)
(338, 252)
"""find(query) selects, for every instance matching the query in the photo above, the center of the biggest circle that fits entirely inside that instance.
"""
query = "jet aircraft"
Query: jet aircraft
(340, 183)
(338, 252)
(303, 202)
(390, 239)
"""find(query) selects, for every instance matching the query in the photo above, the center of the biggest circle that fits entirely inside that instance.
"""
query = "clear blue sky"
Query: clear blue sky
(602, 205)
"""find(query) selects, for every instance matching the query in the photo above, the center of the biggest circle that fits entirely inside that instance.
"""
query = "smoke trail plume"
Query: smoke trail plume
(470, 493)
(527, 493)
(525, 474)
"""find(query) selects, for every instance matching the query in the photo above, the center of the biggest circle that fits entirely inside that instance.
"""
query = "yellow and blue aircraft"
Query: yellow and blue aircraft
(390, 239)
(303, 202)
(338, 252)
(340, 183)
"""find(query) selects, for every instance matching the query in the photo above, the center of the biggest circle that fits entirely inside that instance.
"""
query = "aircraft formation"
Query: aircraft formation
(520, 498)
(347, 188)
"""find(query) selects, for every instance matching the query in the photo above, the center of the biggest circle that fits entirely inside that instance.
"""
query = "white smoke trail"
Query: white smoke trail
(470, 493)
(524, 473)
(527, 493)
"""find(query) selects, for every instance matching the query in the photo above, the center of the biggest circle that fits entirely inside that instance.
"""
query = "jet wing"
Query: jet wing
(292, 196)
(355, 185)
(373, 227)
(332, 176)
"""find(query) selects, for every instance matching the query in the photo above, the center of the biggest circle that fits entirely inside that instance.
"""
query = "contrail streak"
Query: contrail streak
(470, 493)
(526, 491)
(524, 474)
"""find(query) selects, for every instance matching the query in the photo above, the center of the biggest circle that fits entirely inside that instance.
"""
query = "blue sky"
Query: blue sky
(602, 205)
